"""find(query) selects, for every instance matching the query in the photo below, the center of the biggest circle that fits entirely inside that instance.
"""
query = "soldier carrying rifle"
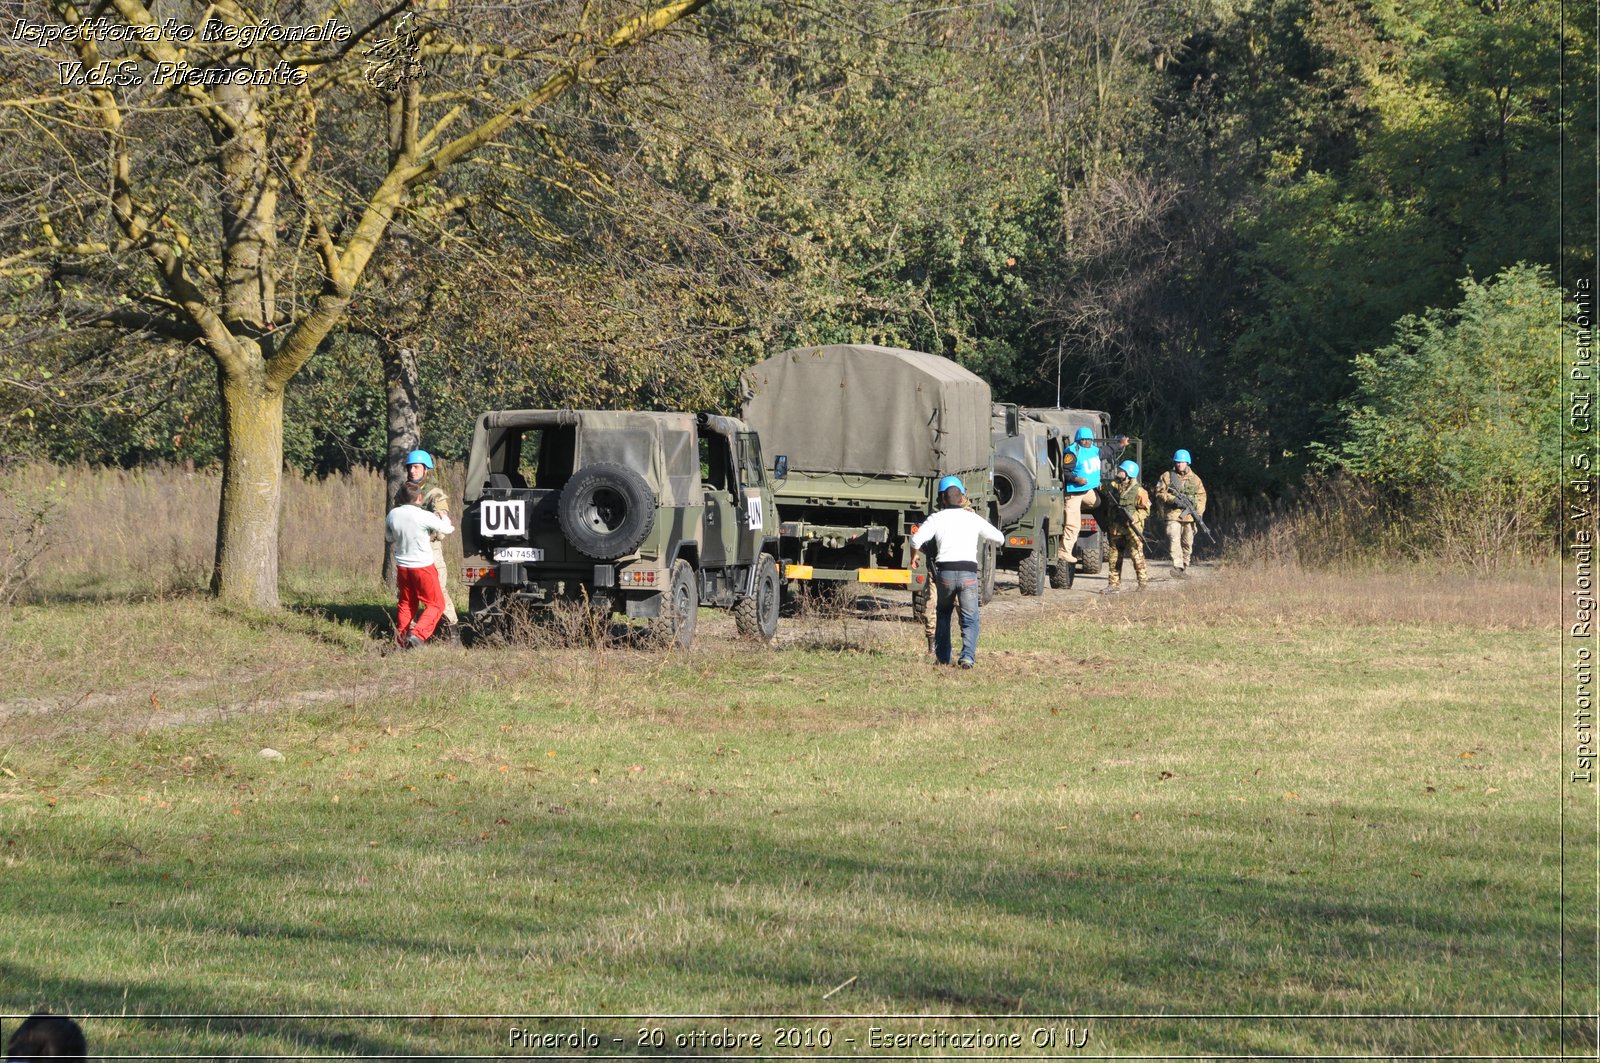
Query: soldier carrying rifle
(1183, 497)
(1127, 504)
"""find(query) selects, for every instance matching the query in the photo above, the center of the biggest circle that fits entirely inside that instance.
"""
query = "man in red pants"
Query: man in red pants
(409, 526)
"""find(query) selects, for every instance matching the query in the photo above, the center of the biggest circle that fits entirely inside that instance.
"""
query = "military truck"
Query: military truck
(1028, 495)
(1090, 552)
(647, 515)
(858, 437)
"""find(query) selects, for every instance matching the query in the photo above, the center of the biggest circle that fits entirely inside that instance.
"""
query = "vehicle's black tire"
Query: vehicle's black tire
(919, 606)
(756, 616)
(1031, 574)
(986, 569)
(1061, 574)
(1098, 567)
(1013, 488)
(606, 510)
(679, 609)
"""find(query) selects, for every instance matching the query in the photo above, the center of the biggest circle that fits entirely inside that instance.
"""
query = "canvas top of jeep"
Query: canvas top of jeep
(541, 449)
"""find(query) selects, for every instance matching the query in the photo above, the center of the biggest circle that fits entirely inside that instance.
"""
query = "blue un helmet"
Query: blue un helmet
(952, 481)
(1131, 468)
(1181, 458)
(1083, 435)
(420, 457)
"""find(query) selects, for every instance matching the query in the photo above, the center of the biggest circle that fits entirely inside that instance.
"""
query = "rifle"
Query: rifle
(1114, 516)
(1185, 503)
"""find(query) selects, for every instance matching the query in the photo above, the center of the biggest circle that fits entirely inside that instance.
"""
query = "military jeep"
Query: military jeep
(646, 515)
(1028, 493)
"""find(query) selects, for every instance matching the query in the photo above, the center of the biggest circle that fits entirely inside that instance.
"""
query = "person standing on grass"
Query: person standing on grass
(1181, 480)
(409, 526)
(958, 534)
(1127, 505)
(436, 500)
(1082, 485)
(43, 1036)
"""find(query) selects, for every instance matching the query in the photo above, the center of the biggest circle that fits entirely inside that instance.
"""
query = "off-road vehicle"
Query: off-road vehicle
(646, 515)
(859, 437)
(1028, 495)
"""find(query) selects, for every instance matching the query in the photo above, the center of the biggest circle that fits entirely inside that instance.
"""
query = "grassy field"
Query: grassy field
(1264, 793)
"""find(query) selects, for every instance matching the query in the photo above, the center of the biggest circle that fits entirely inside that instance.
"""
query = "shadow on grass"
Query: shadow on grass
(372, 619)
(922, 918)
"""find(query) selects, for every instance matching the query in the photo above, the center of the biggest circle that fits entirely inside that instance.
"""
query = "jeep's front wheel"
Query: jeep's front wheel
(606, 510)
(679, 608)
(756, 616)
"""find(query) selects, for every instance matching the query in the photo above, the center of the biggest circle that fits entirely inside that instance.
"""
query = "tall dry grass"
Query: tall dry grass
(152, 531)
(1343, 524)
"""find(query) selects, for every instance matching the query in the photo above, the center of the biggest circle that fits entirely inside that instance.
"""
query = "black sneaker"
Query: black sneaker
(414, 641)
(966, 663)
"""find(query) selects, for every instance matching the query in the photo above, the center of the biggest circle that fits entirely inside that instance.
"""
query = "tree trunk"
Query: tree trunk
(246, 568)
(405, 434)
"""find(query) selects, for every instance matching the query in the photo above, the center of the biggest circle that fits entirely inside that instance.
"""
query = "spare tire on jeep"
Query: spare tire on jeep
(606, 510)
(1013, 488)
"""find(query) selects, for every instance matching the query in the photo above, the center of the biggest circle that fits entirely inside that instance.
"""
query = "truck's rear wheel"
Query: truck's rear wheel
(756, 616)
(919, 606)
(986, 567)
(1061, 574)
(1030, 574)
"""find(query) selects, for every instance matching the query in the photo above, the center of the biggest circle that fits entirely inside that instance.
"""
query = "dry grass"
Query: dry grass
(152, 531)
(1518, 599)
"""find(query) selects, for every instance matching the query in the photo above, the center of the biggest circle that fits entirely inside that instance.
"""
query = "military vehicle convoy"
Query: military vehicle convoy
(858, 437)
(1028, 495)
(645, 515)
(652, 515)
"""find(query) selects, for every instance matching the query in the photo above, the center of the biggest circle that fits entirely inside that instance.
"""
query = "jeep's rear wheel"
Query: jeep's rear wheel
(606, 510)
(679, 608)
(756, 616)
(1061, 574)
(1013, 489)
(1030, 574)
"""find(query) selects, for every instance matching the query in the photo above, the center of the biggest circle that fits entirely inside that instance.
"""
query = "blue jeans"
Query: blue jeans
(957, 590)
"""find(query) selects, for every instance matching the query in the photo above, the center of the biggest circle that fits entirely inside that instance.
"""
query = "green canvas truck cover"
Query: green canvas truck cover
(879, 411)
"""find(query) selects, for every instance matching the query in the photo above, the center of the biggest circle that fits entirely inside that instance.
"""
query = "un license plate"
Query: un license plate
(519, 553)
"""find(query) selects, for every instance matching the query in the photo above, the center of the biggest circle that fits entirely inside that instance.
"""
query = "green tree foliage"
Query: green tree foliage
(1463, 409)
(1421, 144)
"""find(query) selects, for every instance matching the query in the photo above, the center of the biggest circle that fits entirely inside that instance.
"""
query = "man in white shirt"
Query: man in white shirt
(409, 527)
(959, 534)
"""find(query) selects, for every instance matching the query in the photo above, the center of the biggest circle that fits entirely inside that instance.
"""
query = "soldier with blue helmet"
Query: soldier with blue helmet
(958, 533)
(1127, 505)
(436, 500)
(1181, 480)
(1082, 486)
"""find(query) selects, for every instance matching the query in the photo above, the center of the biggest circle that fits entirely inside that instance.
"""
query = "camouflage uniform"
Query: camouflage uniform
(436, 500)
(1180, 526)
(1123, 537)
